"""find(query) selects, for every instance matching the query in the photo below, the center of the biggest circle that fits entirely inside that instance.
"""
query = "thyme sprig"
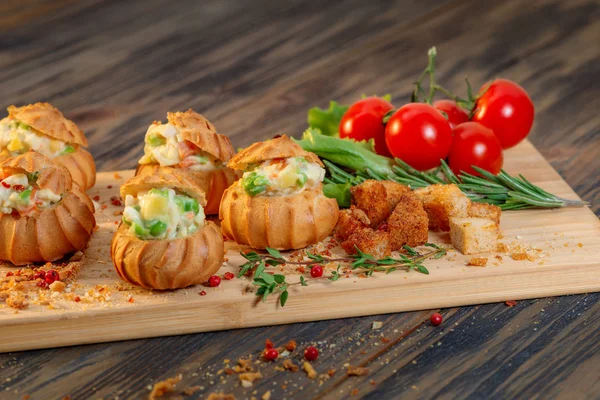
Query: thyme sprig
(360, 263)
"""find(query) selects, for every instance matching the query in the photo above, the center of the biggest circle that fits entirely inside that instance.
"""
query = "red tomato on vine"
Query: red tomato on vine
(364, 121)
(475, 144)
(419, 135)
(506, 109)
(455, 114)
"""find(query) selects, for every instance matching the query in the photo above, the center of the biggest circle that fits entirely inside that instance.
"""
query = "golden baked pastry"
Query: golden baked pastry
(279, 201)
(190, 143)
(164, 241)
(43, 128)
(44, 214)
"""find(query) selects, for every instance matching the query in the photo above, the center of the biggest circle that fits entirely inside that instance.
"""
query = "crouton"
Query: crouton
(375, 243)
(473, 235)
(408, 224)
(394, 191)
(484, 210)
(442, 202)
(371, 197)
(349, 221)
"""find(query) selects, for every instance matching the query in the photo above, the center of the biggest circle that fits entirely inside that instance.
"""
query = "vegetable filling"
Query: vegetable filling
(162, 214)
(17, 138)
(164, 145)
(18, 194)
(282, 176)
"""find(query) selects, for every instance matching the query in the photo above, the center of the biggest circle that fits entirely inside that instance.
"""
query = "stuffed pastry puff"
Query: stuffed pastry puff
(279, 201)
(43, 128)
(44, 215)
(190, 143)
(164, 240)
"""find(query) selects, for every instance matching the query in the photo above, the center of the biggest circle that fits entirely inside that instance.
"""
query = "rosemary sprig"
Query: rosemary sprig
(360, 263)
(507, 192)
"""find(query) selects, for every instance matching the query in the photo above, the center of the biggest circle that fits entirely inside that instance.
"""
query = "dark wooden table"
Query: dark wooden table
(254, 68)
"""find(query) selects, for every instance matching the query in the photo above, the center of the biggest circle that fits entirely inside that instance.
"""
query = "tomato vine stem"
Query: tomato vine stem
(435, 87)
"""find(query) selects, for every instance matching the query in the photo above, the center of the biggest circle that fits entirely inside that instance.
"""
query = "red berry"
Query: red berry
(39, 274)
(311, 353)
(316, 271)
(436, 319)
(271, 354)
(228, 276)
(42, 284)
(51, 276)
(214, 281)
(202, 293)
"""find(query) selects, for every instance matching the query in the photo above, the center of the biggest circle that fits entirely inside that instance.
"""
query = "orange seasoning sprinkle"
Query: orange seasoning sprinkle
(291, 346)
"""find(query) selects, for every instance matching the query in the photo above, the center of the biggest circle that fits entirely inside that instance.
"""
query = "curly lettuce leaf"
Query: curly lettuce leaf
(340, 192)
(327, 121)
(357, 156)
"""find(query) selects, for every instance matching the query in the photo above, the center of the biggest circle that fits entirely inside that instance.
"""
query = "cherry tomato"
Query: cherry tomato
(475, 144)
(456, 115)
(507, 110)
(419, 135)
(364, 121)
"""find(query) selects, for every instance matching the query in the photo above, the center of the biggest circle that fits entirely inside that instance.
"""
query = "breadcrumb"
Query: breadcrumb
(484, 210)
(220, 396)
(501, 248)
(394, 192)
(349, 221)
(375, 243)
(408, 224)
(289, 365)
(310, 371)
(250, 376)
(441, 202)
(163, 387)
(357, 371)
(473, 235)
(477, 262)
(371, 197)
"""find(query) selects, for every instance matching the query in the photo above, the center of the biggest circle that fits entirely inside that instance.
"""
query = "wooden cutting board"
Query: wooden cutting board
(563, 244)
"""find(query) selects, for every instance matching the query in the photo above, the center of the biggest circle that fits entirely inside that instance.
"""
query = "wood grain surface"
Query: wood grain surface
(254, 68)
(563, 246)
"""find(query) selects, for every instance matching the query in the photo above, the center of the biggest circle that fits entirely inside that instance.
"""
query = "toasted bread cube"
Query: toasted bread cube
(408, 224)
(484, 210)
(394, 192)
(371, 197)
(375, 243)
(441, 202)
(473, 235)
(349, 221)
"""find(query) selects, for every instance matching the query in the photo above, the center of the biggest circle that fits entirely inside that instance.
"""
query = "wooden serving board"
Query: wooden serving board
(563, 244)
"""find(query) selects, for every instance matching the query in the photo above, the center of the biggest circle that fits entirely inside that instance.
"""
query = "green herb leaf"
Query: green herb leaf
(279, 278)
(283, 298)
(275, 253)
(340, 192)
(346, 152)
(267, 278)
(327, 121)
(303, 281)
(259, 270)
(68, 150)
(315, 257)
(421, 268)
